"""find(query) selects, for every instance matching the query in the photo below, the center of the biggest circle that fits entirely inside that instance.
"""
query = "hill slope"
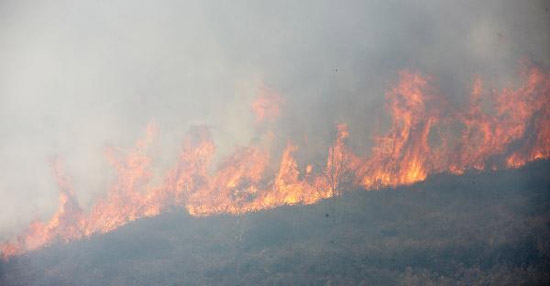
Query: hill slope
(479, 228)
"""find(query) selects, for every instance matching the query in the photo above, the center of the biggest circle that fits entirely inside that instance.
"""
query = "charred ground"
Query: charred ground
(475, 229)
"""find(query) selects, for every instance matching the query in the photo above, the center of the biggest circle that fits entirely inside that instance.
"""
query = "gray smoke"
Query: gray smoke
(77, 76)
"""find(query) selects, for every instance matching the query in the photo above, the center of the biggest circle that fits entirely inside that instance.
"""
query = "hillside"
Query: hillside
(489, 228)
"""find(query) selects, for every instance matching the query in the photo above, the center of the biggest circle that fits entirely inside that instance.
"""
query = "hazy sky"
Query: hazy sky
(77, 76)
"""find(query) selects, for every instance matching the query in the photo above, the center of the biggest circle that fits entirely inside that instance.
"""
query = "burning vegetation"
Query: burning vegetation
(497, 129)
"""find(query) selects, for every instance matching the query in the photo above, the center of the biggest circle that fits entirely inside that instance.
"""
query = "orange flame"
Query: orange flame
(65, 224)
(514, 131)
(266, 107)
(403, 156)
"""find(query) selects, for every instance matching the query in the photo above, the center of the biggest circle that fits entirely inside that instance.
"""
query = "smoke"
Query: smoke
(77, 77)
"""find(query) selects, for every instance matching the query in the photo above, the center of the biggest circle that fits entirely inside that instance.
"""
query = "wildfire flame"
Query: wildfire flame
(266, 107)
(515, 130)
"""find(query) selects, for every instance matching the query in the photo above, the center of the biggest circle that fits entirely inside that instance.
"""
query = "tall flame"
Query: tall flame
(403, 156)
(513, 130)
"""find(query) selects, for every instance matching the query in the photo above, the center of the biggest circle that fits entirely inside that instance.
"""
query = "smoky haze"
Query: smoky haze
(77, 77)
